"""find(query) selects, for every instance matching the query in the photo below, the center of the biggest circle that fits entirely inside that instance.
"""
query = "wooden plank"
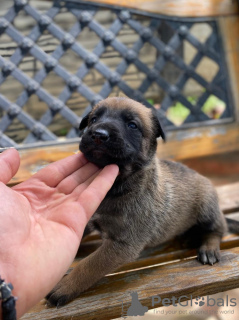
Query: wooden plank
(200, 141)
(216, 165)
(165, 281)
(166, 253)
(234, 215)
(34, 159)
(221, 169)
(229, 197)
(180, 8)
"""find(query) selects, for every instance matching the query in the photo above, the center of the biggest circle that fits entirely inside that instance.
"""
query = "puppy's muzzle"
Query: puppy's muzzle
(99, 135)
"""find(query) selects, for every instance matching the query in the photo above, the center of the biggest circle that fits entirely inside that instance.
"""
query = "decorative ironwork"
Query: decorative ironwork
(84, 13)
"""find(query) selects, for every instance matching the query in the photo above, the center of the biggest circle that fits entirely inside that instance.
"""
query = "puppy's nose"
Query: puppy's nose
(100, 135)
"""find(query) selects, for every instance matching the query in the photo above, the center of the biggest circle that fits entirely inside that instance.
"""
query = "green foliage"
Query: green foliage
(213, 107)
(178, 113)
(151, 101)
(62, 132)
(213, 103)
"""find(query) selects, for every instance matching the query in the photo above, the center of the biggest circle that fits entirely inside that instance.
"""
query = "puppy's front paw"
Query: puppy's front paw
(62, 293)
(208, 255)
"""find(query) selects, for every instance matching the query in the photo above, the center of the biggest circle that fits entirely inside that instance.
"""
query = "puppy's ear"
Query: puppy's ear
(84, 123)
(158, 126)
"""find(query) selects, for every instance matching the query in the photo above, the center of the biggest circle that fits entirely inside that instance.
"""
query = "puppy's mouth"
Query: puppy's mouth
(97, 152)
(103, 154)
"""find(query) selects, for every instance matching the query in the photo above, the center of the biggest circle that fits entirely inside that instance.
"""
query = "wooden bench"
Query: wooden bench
(170, 269)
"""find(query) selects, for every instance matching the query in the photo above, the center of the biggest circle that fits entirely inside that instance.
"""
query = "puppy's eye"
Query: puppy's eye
(93, 120)
(132, 125)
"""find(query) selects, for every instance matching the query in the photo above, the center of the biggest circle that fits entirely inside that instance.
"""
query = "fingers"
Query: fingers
(9, 164)
(93, 195)
(55, 172)
(77, 178)
(81, 187)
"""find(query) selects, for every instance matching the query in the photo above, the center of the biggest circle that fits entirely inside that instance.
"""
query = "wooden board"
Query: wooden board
(180, 8)
(229, 197)
(34, 159)
(166, 253)
(199, 142)
(103, 301)
(221, 169)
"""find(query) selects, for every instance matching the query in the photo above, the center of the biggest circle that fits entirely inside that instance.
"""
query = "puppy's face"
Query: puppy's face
(120, 131)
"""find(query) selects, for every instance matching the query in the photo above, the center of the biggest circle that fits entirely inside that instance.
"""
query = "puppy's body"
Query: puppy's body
(170, 200)
(150, 202)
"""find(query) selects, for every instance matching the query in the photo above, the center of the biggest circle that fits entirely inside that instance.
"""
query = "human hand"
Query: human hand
(42, 221)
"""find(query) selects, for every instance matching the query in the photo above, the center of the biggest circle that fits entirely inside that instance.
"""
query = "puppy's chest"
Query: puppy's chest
(114, 218)
(110, 226)
(124, 216)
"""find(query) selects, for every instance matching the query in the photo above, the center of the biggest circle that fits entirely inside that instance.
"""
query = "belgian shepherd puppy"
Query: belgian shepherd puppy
(150, 202)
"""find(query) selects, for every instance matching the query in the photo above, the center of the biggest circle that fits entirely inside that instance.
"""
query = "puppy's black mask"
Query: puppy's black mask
(115, 135)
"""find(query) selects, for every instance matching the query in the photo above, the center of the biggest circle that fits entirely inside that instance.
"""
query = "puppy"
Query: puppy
(151, 201)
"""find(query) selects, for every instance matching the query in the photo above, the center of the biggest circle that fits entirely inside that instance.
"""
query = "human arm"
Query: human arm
(42, 221)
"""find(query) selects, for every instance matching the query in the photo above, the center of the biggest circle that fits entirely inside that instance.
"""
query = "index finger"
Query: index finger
(94, 194)
(55, 172)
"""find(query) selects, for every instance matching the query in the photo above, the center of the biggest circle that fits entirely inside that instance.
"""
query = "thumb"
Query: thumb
(9, 164)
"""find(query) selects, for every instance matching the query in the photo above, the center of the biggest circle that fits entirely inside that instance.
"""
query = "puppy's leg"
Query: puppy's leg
(209, 251)
(212, 225)
(108, 257)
